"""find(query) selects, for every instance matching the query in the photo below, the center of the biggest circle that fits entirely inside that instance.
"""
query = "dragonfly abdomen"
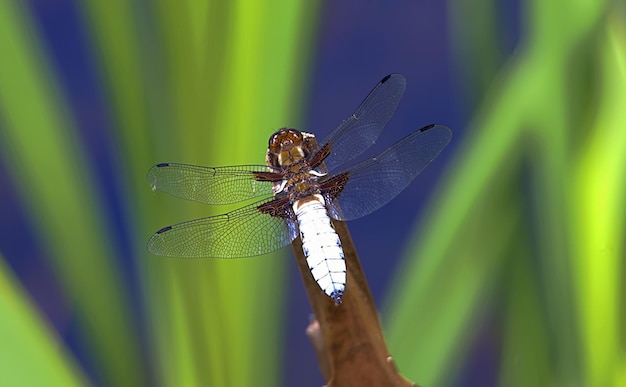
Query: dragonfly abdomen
(321, 246)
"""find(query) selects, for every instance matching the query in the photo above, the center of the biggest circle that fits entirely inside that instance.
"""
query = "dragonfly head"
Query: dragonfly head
(286, 147)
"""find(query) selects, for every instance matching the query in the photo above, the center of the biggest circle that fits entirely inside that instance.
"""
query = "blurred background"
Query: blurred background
(502, 264)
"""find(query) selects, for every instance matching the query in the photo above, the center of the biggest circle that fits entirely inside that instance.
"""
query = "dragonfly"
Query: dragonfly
(302, 186)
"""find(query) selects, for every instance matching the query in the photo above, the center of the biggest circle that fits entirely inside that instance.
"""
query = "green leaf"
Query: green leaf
(530, 214)
(31, 354)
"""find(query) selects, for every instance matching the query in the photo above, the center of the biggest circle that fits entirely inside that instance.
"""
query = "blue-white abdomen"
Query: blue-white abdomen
(321, 246)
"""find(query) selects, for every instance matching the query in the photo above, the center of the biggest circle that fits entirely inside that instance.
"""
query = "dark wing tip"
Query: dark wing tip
(151, 175)
(442, 133)
(392, 75)
(164, 229)
(438, 126)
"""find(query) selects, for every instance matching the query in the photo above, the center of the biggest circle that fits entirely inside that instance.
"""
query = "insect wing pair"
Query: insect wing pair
(249, 231)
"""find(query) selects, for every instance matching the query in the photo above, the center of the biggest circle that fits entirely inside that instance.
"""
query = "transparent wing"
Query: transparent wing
(244, 232)
(361, 130)
(374, 182)
(219, 185)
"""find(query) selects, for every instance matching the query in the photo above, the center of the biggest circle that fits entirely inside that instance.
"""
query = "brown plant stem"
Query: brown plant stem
(348, 338)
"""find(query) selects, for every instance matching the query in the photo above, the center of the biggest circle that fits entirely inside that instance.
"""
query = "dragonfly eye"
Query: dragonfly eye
(295, 136)
(284, 138)
(276, 140)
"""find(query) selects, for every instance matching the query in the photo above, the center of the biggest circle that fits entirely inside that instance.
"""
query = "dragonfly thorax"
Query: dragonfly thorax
(299, 181)
(290, 151)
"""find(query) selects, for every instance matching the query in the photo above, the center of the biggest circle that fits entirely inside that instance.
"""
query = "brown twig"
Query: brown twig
(348, 338)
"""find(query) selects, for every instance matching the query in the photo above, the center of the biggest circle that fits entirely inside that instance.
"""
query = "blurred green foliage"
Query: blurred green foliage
(170, 71)
(31, 354)
(526, 238)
